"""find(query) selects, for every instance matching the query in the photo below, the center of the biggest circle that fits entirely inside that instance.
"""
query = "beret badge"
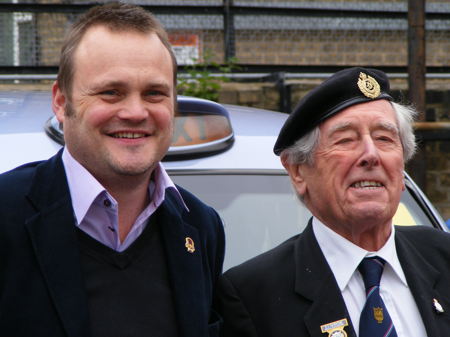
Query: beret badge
(368, 86)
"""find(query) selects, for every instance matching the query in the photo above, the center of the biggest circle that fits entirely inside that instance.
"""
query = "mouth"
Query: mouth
(129, 135)
(367, 184)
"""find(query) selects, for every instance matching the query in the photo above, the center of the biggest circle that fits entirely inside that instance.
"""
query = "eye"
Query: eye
(154, 93)
(110, 92)
(344, 140)
(157, 91)
(110, 95)
(384, 139)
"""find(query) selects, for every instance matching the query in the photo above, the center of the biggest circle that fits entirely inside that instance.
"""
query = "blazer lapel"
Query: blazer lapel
(53, 237)
(185, 270)
(315, 282)
(422, 279)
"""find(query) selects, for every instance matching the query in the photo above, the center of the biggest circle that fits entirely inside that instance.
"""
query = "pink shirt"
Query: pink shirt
(96, 211)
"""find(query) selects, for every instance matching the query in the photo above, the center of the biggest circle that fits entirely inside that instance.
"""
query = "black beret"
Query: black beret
(343, 89)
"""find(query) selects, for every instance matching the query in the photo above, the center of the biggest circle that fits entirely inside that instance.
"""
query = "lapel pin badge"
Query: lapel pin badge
(335, 329)
(189, 244)
(437, 306)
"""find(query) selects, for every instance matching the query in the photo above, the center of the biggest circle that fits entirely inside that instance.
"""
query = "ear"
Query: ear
(296, 173)
(58, 102)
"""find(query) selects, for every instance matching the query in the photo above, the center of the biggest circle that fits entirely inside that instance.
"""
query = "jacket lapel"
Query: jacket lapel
(422, 279)
(53, 236)
(184, 269)
(315, 282)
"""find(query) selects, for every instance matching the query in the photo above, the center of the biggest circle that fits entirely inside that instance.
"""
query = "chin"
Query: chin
(132, 169)
(372, 212)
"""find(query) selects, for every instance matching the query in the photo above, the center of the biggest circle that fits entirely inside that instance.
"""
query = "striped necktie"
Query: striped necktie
(375, 320)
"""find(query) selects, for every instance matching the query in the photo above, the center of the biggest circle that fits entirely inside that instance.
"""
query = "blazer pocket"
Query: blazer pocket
(214, 325)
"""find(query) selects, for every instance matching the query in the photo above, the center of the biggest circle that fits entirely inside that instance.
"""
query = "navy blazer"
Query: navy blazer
(291, 291)
(41, 283)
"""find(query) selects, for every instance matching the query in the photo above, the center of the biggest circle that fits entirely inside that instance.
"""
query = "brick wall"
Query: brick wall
(285, 47)
(51, 29)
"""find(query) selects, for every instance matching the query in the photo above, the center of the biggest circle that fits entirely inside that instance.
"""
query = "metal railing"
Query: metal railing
(234, 22)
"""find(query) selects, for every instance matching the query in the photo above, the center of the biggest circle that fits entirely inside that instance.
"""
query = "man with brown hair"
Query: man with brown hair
(98, 241)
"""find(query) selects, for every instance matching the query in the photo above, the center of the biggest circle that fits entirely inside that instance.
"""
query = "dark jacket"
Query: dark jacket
(41, 283)
(291, 291)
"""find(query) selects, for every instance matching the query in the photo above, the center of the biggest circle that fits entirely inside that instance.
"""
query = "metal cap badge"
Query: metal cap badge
(368, 86)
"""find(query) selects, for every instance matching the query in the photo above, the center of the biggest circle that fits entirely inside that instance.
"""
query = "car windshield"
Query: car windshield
(260, 211)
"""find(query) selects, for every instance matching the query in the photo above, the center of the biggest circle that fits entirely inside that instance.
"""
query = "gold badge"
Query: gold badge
(378, 315)
(368, 86)
(335, 329)
(189, 245)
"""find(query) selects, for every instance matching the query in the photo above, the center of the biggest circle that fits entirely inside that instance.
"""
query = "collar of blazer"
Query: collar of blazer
(53, 236)
(315, 281)
(423, 278)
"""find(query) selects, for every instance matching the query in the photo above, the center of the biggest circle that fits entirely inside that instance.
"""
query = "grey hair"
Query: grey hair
(405, 118)
(302, 151)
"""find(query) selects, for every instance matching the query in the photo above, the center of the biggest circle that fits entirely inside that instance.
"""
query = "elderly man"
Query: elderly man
(98, 241)
(351, 272)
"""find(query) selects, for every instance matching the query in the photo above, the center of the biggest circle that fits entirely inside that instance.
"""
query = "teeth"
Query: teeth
(366, 183)
(129, 135)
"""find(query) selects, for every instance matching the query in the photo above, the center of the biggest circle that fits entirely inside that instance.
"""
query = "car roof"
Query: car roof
(22, 119)
(23, 115)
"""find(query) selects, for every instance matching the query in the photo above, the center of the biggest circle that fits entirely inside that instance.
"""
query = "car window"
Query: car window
(258, 211)
(261, 211)
(403, 216)
(409, 213)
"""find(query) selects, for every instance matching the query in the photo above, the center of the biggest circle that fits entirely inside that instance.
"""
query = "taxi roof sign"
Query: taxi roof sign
(201, 128)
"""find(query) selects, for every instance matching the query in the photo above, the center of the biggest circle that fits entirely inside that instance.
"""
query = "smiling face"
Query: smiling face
(356, 181)
(119, 119)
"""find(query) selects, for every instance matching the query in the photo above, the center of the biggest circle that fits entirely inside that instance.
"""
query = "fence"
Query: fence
(263, 35)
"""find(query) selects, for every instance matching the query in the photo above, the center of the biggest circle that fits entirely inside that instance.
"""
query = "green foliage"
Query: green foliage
(200, 82)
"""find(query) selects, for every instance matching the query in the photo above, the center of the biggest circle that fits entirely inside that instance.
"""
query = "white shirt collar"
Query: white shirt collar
(343, 256)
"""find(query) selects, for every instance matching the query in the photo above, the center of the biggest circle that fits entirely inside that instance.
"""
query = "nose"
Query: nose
(133, 109)
(370, 155)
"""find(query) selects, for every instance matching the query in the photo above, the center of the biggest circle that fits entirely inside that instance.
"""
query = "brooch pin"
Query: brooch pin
(189, 245)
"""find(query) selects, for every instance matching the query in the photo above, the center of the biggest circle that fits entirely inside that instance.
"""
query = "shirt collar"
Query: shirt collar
(162, 183)
(344, 257)
(84, 188)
